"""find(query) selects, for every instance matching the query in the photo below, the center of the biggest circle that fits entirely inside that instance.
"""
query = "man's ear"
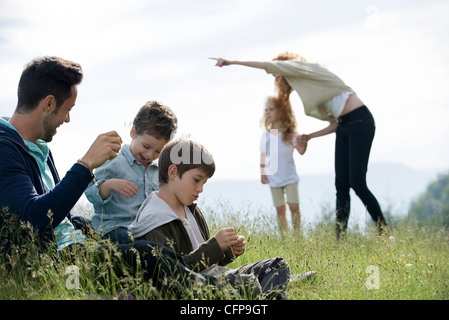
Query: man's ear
(172, 172)
(49, 103)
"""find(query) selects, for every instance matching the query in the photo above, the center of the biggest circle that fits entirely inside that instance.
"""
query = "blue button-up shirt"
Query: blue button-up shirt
(116, 210)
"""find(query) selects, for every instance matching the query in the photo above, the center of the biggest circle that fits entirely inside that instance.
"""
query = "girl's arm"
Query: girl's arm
(252, 64)
(263, 176)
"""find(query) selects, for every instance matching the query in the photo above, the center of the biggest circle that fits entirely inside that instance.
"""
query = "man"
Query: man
(30, 187)
(47, 92)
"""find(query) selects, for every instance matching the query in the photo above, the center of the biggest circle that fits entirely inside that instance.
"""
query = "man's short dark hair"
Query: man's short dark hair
(186, 154)
(157, 120)
(47, 76)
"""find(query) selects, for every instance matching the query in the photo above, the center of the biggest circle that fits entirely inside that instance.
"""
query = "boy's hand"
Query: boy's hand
(239, 248)
(124, 187)
(226, 238)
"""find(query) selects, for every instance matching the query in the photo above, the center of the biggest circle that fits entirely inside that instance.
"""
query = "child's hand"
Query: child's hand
(239, 248)
(302, 139)
(226, 238)
(264, 179)
(124, 187)
(301, 143)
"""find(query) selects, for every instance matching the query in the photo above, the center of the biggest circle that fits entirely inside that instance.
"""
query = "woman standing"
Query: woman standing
(326, 97)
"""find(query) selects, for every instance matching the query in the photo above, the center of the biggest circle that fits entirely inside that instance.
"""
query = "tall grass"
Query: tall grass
(408, 263)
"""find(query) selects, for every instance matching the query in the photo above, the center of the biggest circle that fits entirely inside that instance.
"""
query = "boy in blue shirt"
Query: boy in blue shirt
(123, 183)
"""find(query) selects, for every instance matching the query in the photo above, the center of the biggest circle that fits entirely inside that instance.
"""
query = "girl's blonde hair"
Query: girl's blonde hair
(286, 117)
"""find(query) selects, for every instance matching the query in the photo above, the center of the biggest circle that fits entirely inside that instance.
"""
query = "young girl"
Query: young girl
(276, 160)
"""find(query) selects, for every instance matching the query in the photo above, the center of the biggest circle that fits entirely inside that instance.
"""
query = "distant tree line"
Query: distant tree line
(432, 207)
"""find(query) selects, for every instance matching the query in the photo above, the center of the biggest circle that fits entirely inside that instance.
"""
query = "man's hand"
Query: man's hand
(104, 148)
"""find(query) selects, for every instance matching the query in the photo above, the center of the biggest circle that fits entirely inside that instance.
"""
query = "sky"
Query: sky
(394, 54)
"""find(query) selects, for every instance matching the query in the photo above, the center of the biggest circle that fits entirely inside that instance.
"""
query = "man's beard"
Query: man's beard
(49, 130)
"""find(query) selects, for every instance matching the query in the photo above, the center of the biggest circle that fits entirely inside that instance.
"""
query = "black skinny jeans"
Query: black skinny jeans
(354, 136)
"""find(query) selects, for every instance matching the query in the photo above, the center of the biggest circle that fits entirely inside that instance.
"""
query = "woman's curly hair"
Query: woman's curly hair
(282, 100)
(282, 85)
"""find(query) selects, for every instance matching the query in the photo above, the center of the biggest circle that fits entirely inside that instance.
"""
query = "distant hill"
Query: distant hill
(394, 185)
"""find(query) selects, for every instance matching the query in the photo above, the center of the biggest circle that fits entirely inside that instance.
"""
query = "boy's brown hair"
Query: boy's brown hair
(186, 154)
(157, 120)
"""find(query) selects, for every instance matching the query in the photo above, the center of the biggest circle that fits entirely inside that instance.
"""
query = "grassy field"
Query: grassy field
(408, 263)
